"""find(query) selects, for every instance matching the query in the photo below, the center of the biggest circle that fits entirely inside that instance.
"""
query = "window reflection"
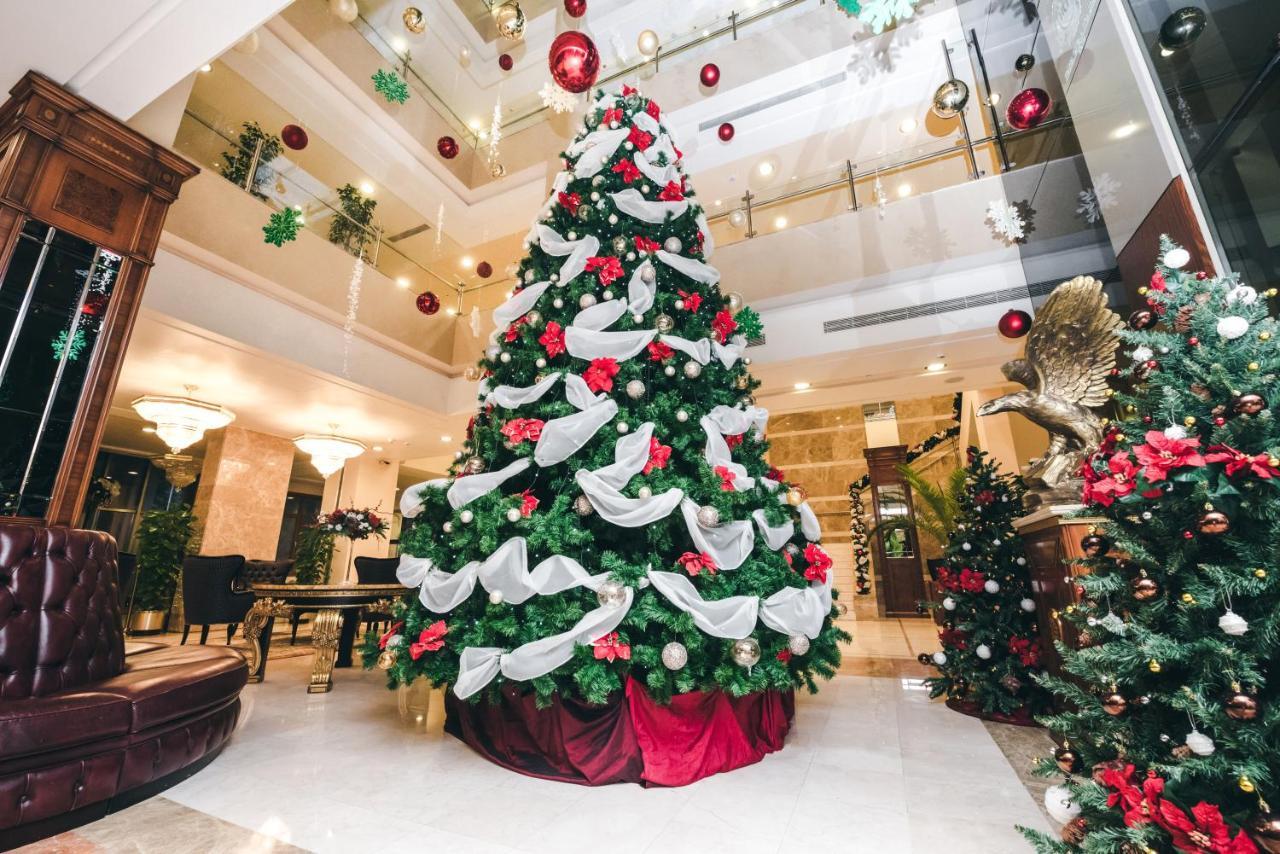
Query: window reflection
(892, 499)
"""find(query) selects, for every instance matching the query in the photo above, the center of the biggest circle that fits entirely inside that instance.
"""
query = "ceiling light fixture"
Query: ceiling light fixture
(206, 68)
(181, 421)
(904, 190)
(403, 281)
(765, 168)
(328, 452)
(780, 222)
(934, 367)
(398, 44)
(466, 262)
(366, 188)
(377, 449)
(446, 438)
(801, 386)
(907, 125)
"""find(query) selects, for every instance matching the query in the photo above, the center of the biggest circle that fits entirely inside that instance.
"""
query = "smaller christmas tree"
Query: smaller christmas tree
(858, 541)
(990, 652)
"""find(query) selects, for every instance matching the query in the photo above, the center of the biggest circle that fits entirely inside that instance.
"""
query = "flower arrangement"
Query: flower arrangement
(353, 524)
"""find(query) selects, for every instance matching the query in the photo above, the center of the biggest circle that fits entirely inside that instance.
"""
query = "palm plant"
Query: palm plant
(936, 506)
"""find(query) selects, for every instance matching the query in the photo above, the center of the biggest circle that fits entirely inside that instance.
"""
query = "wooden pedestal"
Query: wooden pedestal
(1052, 543)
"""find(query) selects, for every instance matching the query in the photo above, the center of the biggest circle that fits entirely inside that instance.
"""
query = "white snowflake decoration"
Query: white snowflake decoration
(1006, 221)
(560, 100)
(879, 196)
(1099, 198)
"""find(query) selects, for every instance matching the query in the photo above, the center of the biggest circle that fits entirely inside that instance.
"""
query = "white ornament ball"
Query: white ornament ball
(1028, 605)
(635, 389)
(674, 656)
(573, 235)
(466, 516)
(644, 492)
(1232, 327)
(1021, 561)
(746, 652)
(623, 427)
(595, 197)
(631, 256)
(648, 275)
(798, 644)
(991, 586)
(1058, 804)
(612, 594)
(513, 514)
(1176, 259)
(692, 370)
(645, 188)
(1142, 354)
(540, 362)
(637, 318)
(528, 275)
(982, 651)
(708, 516)
(1175, 431)
(504, 358)
(447, 527)
(669, 370)
(966, 546)
(557, 302)
(679, 305)
(949, 604)
(672, 245)
(1242, 294)
(682, 416)
(607, 295)
(1200, 744)
(586, 300)
(940, 658)
(495, 597)
(1233, 624)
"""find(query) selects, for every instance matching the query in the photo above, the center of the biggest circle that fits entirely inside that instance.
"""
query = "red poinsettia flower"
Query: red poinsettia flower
(519, 430)
(430, 640)
(734, 440)
(1119, 482)
(611, 115)
(513, 331)
(1161, 454)
(671, 193)
(627, 169)
(659, 455)
(986, 496)
(659, 352)
(599, 375)
(726, 476)
(528, 503)
(724, 324)
(1027, 650)
(640, 139)
(691, 300)
(629, 90)
(1158, 282)
(1140, 805)
(609, 648)
(570, 201)
(607, 267)
(552, 339)
(954, 638)
(644, 244)
(697, 562)
(679, 153)
(1202, 831)
(819, 562)
(775, 473)
(1238, 461)
(784, 655)
(971, 581)
(652, 109)
(389, 634)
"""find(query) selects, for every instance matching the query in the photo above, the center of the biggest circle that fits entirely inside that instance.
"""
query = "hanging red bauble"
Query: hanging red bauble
(484, 269)
(575, 8)
(294, 137)
(428, 303)
(95, 304)
(1014, 323)
(505, 62)
(574, 61)
(725, 132)
(447, 146)
(1028, 108)
(710, 74)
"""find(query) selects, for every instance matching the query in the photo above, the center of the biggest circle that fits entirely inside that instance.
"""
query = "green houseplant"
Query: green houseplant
(350, 228)
(164, 537)
(936, 507)
(237, 162)
(313, 556)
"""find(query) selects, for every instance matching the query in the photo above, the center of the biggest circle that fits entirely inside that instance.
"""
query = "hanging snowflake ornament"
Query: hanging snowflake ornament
(1006, 221)
(59, 344)
(1098, 199)
(389, 85)
(559, 100)
(282, 227)
(879, 196)
(878, 14)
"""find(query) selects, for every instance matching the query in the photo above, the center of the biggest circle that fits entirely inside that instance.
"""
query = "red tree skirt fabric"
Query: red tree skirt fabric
(631, 739)
(1021, 717)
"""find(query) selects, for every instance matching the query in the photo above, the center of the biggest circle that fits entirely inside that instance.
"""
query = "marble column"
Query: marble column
(367, 481)
(242, 491)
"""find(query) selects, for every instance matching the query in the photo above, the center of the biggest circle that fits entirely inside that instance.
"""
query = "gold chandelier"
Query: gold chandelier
(182, 421)
(328, 452)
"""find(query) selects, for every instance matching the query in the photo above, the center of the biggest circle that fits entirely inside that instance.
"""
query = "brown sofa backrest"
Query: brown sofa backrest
(60, 621)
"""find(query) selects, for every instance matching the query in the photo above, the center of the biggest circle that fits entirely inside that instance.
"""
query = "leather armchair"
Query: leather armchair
(376, 570)
(84, 728)
(213, 591)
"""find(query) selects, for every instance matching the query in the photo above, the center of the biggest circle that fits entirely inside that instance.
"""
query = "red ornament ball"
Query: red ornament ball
(725, 132)
(1028, 108)
(575, 8)
(1014, 323)
(574, 61)
(709, 75)
(484, 269)
(294, 137)
(447, 146)
(505, 62)
(428, 303)
(95, 304)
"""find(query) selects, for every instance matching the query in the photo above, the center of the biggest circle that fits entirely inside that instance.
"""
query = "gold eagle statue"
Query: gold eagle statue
(1070, 352)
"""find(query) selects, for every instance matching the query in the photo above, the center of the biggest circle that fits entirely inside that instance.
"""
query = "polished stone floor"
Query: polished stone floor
(871, 765)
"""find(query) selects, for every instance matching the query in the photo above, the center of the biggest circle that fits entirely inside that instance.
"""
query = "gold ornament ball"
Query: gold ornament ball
(473, 465)
(664, 323)
(949, 99)
(509, 19)
(1253, 366)
(742, 381)
(414, 21)
(1153, 666)
(1246, 785)
(1188, 599)
(1260, 573)
(387, 659)
(746, 652)
(1189, 421)
(1264, 336)
(734, 300)
(796, 496)
(345, 11)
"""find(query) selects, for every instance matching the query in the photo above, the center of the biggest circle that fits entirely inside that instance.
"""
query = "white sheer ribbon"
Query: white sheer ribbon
(660, 175)
(646, 123)
(510, 396)
(717, 454)
(577, 250)
(809, 524)
(630, 454)
(733, 617)
(731, 352)
(775, 536)
(661, 145)
(578, 393)
(411, 499)
(562, 437)
(691, 267)
(734, 422)
(519, 304)
(640, 295)
(618, 509)
(589, 344)
(798, 611)
(729, 544)
(469, 488)
(600, 316)
(633, 203)
(595, 150)
(699, 351)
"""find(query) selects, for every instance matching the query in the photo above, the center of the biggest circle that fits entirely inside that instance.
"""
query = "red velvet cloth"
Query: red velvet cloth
(631, 739)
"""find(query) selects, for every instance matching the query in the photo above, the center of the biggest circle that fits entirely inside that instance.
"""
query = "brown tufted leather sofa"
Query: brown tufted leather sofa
(86, 729)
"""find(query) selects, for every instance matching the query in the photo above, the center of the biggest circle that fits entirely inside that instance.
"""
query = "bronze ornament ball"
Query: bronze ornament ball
(1214, 523)
(1115, 704)
(1095, 545)
(1142, 319)
(1067, 759)
(924, 658)
(1242, 707)
(387, 659)
(484, 269)
(1145, 589)
(294, 137)
(1249, 404)
(1074, 831)
(1024, 63)
(949, 99)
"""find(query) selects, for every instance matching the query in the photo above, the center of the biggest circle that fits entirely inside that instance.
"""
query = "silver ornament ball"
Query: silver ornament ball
(635, 389)
(798, 644)
(586, 300)
(708, 516)
(611, 594)
(692, 370)
(746, 652)
(674, 656)
(949, 99)
(672, 245)
(582, 505)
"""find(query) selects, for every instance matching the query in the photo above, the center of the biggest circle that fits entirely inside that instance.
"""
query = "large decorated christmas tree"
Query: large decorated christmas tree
(990, 649)
(611, 525)
(1173, 725)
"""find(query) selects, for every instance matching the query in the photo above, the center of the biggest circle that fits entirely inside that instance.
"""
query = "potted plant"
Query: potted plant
(313, 556)
(350, 228)
(237, 162)
(164, 536)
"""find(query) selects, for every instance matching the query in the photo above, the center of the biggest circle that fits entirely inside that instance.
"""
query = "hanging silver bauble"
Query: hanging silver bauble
(582, 505)
(648, 275)
(473, 465)
(611, 594)
(949, 99)
(466, 517)
(504, 357)
(513, 514)
(607, 295)
(619, 244)
(664, 323)
(738, 218)
(708, 516)
(586, 300)
(692, 369)
(509, 19)
(635, 389)
(682, 416)
(674, 656)
(1182, 28)
(669, 370)
(534, 318)
(746, 652)
(644, 492)
(673, 245)
(798, 644)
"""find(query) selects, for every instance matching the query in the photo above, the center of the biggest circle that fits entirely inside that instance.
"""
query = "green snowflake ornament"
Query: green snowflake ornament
(59, 342)
(389, 85)
(282, 227)
(850, 7)
(749, 323)
(878, 14)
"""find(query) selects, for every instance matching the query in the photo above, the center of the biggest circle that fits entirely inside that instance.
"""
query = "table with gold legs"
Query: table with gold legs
(339, 610)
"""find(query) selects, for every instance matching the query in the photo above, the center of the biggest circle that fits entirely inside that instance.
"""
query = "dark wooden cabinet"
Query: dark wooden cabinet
(899, 575)
(83, 199)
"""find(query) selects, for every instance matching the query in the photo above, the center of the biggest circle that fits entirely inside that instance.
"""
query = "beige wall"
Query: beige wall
(242, 491)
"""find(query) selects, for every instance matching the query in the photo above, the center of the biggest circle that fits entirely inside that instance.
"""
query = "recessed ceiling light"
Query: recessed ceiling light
(366, 188)
(765, 168)
(398, 44)
(148, 429)
(719, 202)
(451, 311)
(474, 124)
(206, 68)
(934, 367)
(780, 222)
(465, 262)
(377, 449)
(1125, 130)
(907, 125)
(904, 190)
(402, 281)
(446, 438)
(801, 386)
(706, 33)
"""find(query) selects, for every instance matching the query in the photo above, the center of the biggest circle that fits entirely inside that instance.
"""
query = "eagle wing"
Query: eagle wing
(1021, 371)
(1072, 344)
